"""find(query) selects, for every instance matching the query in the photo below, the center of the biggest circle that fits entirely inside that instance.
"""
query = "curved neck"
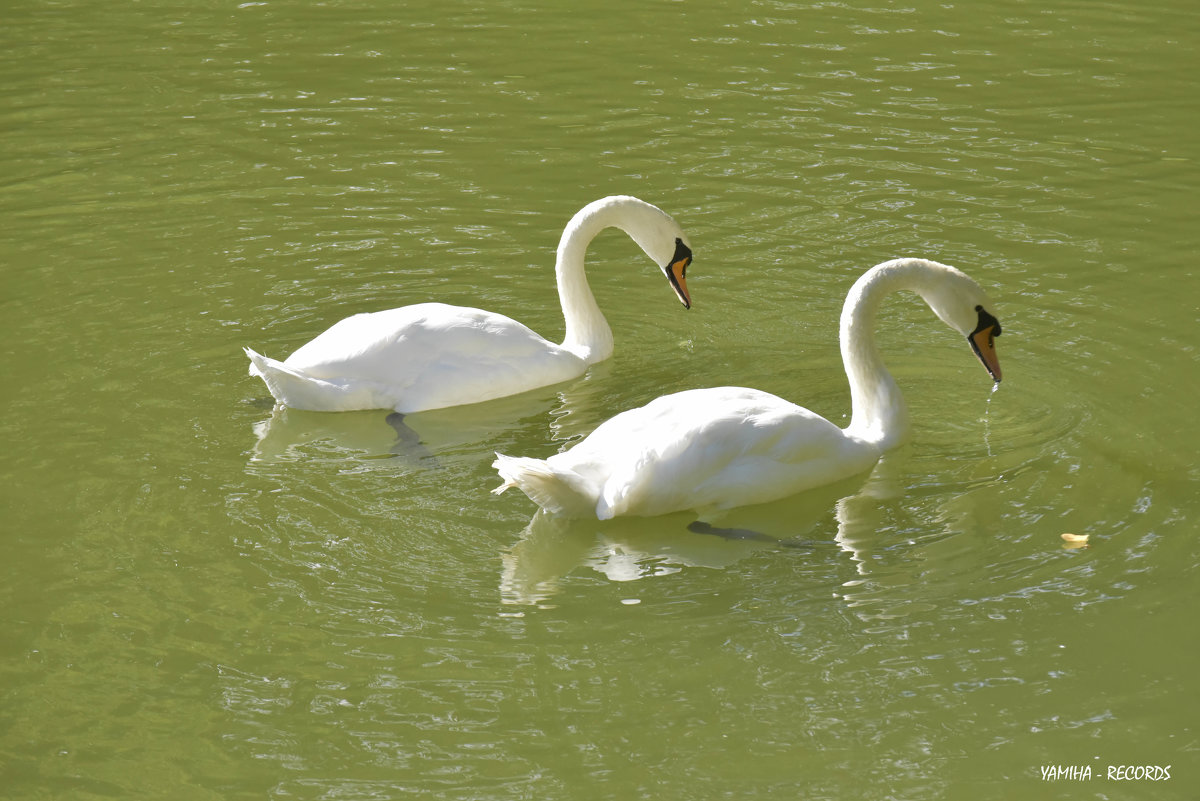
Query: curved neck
(588, 335)
(879, 414)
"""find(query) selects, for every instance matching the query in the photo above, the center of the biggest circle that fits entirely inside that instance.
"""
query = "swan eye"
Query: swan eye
(682, 253)
(986, 321)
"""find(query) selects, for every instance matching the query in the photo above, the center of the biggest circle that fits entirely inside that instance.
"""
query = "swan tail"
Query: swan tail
(297, 390)
(555, 490)
(259, 364)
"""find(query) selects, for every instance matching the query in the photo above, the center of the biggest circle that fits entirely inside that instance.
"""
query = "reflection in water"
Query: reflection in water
(859, 512)
(283, 435)
(634, 548)
(418, 438)
(426, 438)
(628, 549)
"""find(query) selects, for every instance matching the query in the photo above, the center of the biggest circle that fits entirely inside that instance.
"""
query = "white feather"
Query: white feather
(717, 448)
(431, 355)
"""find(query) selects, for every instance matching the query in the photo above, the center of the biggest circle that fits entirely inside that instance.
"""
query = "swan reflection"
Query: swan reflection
(422, 439)
(629, 549)
(288, 432)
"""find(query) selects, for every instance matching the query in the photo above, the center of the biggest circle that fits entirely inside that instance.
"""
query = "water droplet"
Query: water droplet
(987, 420)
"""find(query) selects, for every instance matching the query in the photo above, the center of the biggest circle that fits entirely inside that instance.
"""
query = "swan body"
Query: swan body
(711, 449)
(432, 355)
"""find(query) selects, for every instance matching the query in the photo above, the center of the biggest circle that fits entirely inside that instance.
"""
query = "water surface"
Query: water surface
(208, 598)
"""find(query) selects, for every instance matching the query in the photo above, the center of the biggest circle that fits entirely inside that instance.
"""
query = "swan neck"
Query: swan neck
(879, 414)
(587, 332)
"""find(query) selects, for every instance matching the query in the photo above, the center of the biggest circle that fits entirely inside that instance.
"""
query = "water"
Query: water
(206, 598)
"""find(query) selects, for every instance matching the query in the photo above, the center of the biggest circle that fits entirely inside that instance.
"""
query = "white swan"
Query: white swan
(430, 355)
(709, 449)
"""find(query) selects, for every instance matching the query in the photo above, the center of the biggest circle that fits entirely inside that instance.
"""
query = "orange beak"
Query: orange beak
(983, 342)
(675, 274)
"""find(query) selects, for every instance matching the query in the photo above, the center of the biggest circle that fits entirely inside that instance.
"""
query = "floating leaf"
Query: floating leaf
(1075, 540)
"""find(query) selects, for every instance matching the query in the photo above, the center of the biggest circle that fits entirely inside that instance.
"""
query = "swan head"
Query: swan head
(664, 241)
(655, 232)
(963, 305)
(671, 252)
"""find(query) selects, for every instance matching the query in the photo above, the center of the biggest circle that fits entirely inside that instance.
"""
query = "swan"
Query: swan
(712, 449)
(431, 355)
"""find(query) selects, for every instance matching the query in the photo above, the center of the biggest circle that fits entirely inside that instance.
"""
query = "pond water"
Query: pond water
(208, 598)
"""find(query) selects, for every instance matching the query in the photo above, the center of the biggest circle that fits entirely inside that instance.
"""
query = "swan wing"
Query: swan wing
(432, 355)
(711, 448)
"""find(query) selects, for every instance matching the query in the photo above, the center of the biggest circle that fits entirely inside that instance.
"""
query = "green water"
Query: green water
(204, 598)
